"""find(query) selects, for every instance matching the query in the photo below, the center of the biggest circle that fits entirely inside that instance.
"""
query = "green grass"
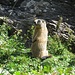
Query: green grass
(15, 57)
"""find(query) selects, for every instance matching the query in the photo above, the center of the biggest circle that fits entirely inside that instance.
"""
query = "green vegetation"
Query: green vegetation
(15, 57)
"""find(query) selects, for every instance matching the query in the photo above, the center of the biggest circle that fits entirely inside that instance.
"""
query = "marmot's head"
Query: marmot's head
(40, 23)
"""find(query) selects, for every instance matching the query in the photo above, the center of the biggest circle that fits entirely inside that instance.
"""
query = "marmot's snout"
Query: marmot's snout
(37, 22)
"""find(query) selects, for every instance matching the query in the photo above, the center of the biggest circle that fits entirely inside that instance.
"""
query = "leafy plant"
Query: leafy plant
(55, 46)
(16, 60)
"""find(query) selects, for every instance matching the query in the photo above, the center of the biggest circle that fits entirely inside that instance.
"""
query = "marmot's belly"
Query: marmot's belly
(39, 45)
(39, 49)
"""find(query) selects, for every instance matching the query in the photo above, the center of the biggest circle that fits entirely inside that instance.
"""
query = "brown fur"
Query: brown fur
(39, 42)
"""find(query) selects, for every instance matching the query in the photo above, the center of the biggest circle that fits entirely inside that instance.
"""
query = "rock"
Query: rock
(64, 30)
(31, 10)
(35, 7)
(30, 3)
(11, 2)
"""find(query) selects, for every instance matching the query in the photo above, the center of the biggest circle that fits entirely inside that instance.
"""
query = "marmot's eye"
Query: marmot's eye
(43, 21)
(38, 21)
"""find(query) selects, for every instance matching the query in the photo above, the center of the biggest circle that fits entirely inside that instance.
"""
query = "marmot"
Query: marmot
(39, 42)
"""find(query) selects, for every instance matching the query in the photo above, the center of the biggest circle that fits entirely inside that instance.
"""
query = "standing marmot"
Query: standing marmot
(39, 42)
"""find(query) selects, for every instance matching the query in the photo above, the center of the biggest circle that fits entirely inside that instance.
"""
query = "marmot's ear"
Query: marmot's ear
(35, 18)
